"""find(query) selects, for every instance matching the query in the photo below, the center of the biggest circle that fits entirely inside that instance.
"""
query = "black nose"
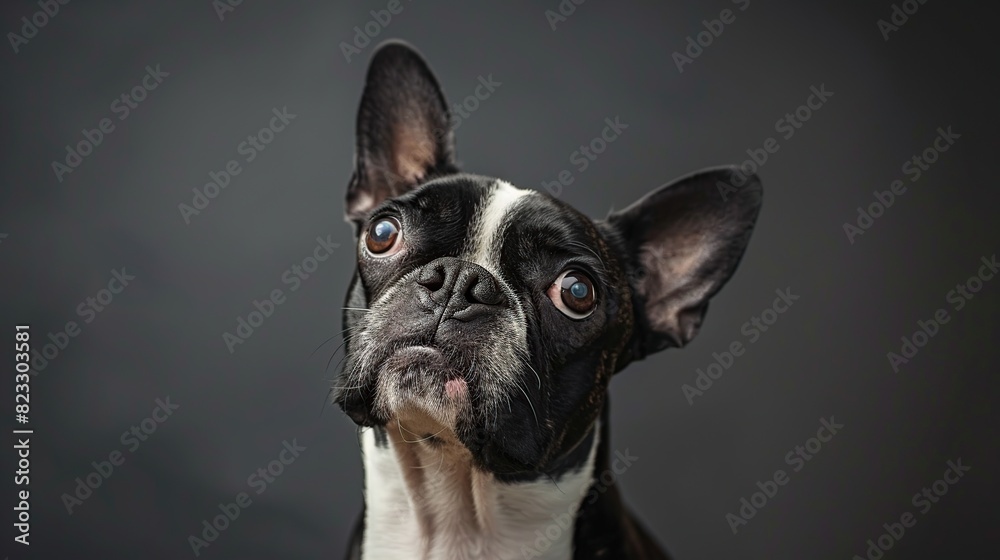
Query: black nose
(466, 290)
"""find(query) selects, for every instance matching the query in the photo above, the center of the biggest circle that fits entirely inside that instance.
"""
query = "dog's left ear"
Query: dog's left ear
(681, 243)
(403, 131)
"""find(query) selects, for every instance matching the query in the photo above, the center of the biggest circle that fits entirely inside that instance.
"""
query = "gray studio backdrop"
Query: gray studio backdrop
(146, 397)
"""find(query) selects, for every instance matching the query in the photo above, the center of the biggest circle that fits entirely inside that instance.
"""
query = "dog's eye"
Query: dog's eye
(383, 235)
(573, 294)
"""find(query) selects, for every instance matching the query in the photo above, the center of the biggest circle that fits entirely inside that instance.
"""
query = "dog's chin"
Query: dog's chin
(424, 393)
(419, 381)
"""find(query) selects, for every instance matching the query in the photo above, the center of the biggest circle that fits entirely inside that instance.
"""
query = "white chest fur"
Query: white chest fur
(425, 502)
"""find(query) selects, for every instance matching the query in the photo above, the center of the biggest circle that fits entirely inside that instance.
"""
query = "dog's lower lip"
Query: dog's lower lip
(455, 381)
(417, 353)
(420, 348)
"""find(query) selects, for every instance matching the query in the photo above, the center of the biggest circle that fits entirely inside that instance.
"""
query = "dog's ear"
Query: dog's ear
(404, 135)
(681, 243)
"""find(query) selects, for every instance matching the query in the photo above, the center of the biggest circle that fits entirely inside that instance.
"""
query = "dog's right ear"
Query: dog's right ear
(404, 132)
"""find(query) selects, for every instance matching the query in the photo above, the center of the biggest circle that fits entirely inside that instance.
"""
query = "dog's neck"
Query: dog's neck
(425, 501)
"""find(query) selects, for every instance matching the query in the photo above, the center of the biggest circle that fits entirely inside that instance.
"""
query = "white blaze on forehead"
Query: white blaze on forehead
(488, 228)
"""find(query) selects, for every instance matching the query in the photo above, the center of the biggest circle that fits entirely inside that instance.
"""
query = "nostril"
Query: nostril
(483, 290)
(432, 277)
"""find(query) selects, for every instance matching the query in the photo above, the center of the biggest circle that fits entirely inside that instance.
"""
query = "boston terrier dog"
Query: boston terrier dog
(483, 325)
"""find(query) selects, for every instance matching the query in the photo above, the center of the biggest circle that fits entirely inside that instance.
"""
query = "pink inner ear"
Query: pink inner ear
(671, 284)
(671, 267)
(414, 149)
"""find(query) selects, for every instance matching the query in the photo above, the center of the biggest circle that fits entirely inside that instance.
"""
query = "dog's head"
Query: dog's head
(498, 315)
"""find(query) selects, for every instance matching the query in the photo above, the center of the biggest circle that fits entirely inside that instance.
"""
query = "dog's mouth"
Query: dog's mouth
(421, 354)
(423, 367)
(462, 392)
(404, 377)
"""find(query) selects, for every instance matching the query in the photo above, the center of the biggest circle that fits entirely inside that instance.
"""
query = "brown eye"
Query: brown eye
(573, 294)
(383, 235)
